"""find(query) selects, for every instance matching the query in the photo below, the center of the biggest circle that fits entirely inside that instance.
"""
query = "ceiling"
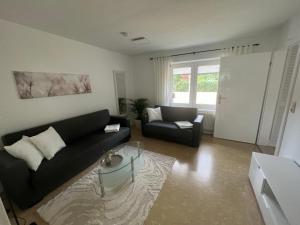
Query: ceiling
(167, 24)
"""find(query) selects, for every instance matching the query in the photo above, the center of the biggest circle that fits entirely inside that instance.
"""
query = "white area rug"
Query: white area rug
(81, 203)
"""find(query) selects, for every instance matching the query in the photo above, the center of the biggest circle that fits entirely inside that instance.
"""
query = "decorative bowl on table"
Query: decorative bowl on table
(111, 160)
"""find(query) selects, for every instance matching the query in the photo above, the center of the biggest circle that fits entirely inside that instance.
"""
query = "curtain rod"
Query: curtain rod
(196, 52)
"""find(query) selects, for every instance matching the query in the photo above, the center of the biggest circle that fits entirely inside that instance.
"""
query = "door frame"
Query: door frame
(117, 73)
(289, 100)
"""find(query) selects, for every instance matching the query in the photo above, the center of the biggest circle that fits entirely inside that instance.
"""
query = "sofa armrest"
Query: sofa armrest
(197, 130)
(198, 120)
(122, 120)
(15, 177)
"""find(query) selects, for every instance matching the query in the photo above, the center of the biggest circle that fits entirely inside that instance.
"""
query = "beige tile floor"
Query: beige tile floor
(208, 185)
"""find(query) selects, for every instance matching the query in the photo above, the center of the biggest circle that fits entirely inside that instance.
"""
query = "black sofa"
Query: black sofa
(86, 142)
(169, 131)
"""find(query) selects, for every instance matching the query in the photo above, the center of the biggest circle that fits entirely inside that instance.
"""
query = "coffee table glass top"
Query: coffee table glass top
(120, 164)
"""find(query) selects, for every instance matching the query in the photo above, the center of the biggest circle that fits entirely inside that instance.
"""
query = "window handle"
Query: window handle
(220, 98)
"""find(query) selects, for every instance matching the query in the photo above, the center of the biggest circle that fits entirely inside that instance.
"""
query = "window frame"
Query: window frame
(181, 65)
(193, 83)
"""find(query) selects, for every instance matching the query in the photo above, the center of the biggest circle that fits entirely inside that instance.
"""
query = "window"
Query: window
(207, 84)
(195, 84)
(181, 85)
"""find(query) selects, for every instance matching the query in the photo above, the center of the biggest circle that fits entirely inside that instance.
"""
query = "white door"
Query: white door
(290, 146)
(242, 85)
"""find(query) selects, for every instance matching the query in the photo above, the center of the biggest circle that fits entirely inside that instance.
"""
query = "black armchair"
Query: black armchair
(168, 130)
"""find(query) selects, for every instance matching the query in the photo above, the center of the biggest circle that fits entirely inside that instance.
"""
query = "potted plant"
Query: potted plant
(138, 107)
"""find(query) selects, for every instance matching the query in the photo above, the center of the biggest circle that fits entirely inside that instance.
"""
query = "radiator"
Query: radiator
(208, 121)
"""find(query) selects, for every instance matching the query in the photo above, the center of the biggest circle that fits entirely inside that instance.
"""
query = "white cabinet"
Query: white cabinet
(276, 184)
(256, 176)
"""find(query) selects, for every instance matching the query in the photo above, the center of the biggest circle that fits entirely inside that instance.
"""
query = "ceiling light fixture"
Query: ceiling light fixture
(124, 34)
(140, 40)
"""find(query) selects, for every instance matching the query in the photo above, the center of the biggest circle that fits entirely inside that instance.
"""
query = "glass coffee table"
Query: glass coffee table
(119, 165)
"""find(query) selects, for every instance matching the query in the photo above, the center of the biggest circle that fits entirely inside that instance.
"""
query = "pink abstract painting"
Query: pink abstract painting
(39, 85)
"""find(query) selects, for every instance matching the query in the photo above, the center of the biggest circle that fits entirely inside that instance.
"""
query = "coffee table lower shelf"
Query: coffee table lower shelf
(112, 178)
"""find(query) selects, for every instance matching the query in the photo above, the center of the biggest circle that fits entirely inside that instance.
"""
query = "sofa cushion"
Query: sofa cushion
(75, 157)
(48, 142)
(25, 150)
(167, 129)
(69, 129)
(74, 128)
(172, 114)
(110, 140)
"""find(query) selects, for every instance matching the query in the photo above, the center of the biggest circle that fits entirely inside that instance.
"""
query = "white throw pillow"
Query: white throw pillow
(154, 114)
(24, 149)
(48, 142)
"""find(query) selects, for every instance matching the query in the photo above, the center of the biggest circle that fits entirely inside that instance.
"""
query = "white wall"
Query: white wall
(291, 31)
(26, 49)
(144, 77)
(143, 68)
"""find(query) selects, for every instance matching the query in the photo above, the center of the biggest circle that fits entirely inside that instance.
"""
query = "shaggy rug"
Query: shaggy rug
(81, 203)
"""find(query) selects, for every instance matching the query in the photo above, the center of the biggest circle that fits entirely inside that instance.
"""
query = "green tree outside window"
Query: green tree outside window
(207, 82)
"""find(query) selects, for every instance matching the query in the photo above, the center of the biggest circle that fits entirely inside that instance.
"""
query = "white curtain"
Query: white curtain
(162, 80)
(239, 50)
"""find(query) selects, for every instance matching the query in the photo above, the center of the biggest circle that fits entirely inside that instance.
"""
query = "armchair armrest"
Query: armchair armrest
(198, 120)
(122, 120)
(197, 130)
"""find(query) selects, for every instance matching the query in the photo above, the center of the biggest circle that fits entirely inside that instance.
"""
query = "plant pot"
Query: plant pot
(138, 124)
